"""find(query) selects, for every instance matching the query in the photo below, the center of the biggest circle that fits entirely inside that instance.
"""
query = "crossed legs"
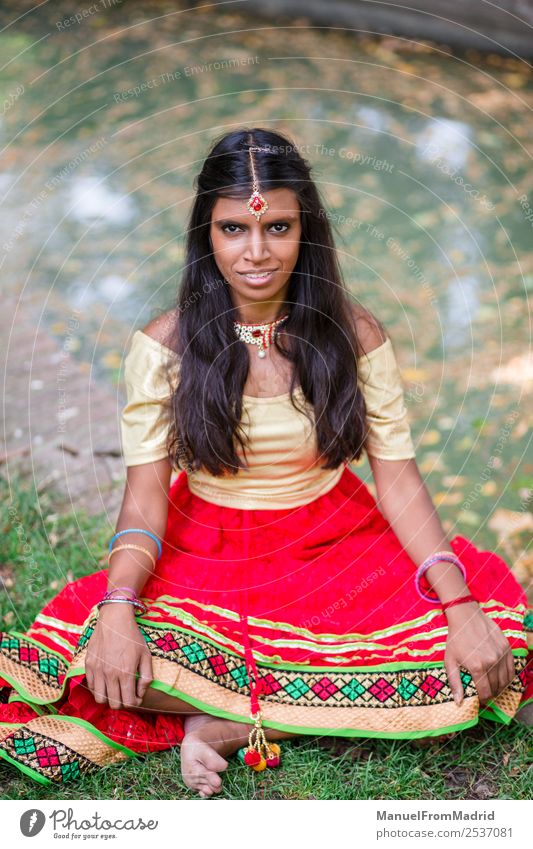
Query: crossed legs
(208, 740)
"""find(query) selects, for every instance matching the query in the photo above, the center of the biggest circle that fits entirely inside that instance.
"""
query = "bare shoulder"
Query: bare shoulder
(163, 328)
(370, 331)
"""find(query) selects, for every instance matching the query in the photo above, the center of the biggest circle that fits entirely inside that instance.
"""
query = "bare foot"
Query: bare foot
(207, 740)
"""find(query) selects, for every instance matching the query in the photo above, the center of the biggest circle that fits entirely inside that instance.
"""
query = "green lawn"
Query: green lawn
(486, 762)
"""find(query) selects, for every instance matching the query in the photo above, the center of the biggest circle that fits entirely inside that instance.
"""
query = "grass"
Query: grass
(488, 761)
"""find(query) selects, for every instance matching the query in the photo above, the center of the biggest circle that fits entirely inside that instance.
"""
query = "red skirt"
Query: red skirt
(314, 607)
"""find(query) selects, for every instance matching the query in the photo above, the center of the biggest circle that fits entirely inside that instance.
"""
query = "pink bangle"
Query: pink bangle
(128, 589)
(446, 556)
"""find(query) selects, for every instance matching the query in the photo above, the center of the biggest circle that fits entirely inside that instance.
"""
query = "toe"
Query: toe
(215, 762)
(214, 781)
(205, 791)
(194, 777)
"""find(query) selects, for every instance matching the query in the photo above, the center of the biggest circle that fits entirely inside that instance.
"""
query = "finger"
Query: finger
(501, 677)
(503, 674)
(127, 690)
(493, 679)
(454, 680)
(498, 676)
(482, 684)
(89, 678)
(506, 669)
(113, 693)
(511, 672)
(145, 675)
(99, 692)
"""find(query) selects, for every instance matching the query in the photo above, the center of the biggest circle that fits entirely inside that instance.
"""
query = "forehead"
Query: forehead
(280, 202)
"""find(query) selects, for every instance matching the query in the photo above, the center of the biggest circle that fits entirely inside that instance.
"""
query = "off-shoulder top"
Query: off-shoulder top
(283, 466)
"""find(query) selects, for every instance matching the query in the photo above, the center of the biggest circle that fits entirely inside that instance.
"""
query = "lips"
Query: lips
(258, 276)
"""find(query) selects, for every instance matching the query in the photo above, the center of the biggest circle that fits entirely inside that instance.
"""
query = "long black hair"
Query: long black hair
(319, 338)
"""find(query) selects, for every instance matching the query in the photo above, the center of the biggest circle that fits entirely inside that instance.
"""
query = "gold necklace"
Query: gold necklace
(258, 334)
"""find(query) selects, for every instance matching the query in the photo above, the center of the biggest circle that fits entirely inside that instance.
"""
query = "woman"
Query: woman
(277, 596)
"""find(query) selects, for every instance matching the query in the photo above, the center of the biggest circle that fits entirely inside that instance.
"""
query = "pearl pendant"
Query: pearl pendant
(261, 354)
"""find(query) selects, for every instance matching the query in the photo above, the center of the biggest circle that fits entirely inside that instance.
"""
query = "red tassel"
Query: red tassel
(252, 757)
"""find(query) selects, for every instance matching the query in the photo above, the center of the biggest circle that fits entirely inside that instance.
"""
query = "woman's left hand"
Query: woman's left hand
(478, 644)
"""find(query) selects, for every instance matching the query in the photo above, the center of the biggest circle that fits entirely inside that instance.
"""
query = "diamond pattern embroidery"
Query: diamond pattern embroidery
(49, 665)
(167, 642)
(381, 689)
(37, 659)
(52, 759)
(240, 676)
(465, 677)
(407, 689)
(353, 689)
(270, 684)
(431, 686)
(85, 637)
(193, 652)
(324, 688)
(70, 771)
(48, 756)
(296, 688)
(28, 655)
(24, 745)
(389, 690)
(219, 664)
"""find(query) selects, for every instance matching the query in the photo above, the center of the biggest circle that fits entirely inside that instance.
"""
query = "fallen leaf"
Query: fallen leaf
(518, 370)
(447, 498)
(430, 437)
(469, 517)
(456, 777)
(484, 790)
(508, 522)
(454, 480)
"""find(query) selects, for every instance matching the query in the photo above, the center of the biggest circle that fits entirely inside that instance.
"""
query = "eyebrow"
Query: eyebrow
(285, 216)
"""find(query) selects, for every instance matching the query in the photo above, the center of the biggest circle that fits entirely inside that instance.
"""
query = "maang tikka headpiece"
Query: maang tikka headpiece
(257, 205)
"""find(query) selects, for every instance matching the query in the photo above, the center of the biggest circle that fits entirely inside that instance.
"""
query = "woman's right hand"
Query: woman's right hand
(115, 652)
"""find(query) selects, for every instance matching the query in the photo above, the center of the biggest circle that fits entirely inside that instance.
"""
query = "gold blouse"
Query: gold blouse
(281, 453)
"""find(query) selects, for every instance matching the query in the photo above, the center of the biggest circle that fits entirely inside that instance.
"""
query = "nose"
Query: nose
(256, 246)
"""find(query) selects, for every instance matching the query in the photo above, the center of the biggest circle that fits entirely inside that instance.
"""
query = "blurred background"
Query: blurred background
(418, 125)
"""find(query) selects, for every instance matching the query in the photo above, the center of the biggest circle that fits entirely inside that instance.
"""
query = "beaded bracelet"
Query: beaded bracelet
(137, 531)
(128, 546)
(447, 556)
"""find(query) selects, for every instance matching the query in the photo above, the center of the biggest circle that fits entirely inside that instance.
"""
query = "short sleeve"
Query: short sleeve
(146, 417)
(389, 436)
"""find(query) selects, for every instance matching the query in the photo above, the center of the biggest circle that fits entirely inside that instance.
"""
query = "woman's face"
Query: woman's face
(268, 248)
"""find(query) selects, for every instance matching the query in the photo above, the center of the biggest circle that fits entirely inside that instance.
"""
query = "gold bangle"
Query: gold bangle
(129, 545)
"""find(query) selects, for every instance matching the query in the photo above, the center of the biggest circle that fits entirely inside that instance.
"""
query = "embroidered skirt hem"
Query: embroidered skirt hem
(314, 606)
